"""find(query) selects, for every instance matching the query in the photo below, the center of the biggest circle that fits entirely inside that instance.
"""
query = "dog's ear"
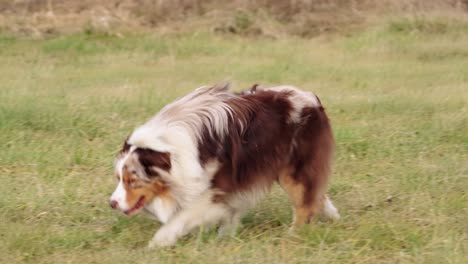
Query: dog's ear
(152, 161)
(251, 90)
(125, 149)
(126, 146)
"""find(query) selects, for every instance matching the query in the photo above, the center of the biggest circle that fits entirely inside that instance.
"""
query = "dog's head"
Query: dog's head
(139, 172)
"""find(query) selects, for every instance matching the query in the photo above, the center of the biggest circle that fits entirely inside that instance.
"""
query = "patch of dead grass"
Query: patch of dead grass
(271, 18)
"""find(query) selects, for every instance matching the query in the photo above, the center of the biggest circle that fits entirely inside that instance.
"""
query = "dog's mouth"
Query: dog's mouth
(136, 207)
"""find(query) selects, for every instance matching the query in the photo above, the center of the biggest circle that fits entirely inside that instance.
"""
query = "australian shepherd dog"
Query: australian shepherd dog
(211, 155)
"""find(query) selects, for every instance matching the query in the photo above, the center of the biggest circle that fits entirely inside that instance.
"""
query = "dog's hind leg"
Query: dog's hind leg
(310, 167)
(304, 208)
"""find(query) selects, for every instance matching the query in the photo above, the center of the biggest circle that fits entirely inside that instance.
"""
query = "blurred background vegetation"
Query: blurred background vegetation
(270, 18)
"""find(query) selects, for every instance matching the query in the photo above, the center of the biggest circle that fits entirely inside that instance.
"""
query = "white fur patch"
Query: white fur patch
(120, 195)
(206, 106)
(162, 209)
(329, 210)
(299, 99)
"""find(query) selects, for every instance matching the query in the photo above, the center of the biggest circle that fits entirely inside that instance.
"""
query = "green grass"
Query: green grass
(397, 95)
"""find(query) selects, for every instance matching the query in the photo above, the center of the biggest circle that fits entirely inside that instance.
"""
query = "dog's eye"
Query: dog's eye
(134, 183)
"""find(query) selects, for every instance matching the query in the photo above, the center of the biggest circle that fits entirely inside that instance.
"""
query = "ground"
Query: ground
(397, 95)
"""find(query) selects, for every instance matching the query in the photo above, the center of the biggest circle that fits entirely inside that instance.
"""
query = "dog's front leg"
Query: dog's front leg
(230, 224)
(201, 212)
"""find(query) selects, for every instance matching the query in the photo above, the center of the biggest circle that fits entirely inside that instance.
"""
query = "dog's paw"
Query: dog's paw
(151, 245)
(162, 239)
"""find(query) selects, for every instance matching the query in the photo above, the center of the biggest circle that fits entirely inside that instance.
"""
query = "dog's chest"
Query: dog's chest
(162, 209)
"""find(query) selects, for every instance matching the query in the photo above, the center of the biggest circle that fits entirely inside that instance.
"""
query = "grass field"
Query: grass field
(397, 94)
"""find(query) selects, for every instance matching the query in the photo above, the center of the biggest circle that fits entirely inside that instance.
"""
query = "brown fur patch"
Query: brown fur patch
(264, 146)
(151, 159)
(247, 155)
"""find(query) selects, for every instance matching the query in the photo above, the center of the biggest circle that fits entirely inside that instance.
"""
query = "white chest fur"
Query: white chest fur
(162, 209)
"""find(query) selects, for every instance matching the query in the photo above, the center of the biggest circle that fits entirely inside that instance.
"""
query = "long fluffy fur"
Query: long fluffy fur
(226, 150)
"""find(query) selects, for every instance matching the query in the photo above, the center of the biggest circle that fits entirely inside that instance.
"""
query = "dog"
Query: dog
(208, 157)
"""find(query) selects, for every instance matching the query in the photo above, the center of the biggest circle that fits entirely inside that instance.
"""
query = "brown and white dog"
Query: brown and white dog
(212, 154)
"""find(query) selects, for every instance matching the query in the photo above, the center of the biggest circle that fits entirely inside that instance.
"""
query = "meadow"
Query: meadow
(396, 92)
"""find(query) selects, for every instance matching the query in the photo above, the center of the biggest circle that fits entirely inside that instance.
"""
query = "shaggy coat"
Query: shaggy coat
(212, 154)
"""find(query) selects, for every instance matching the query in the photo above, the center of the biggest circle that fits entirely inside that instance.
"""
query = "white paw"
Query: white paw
(162, 239)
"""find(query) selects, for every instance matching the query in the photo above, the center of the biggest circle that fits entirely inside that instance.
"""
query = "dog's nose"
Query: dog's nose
(113, 204)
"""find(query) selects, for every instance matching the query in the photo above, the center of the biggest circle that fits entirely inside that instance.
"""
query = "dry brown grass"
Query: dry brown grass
(264, 17)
